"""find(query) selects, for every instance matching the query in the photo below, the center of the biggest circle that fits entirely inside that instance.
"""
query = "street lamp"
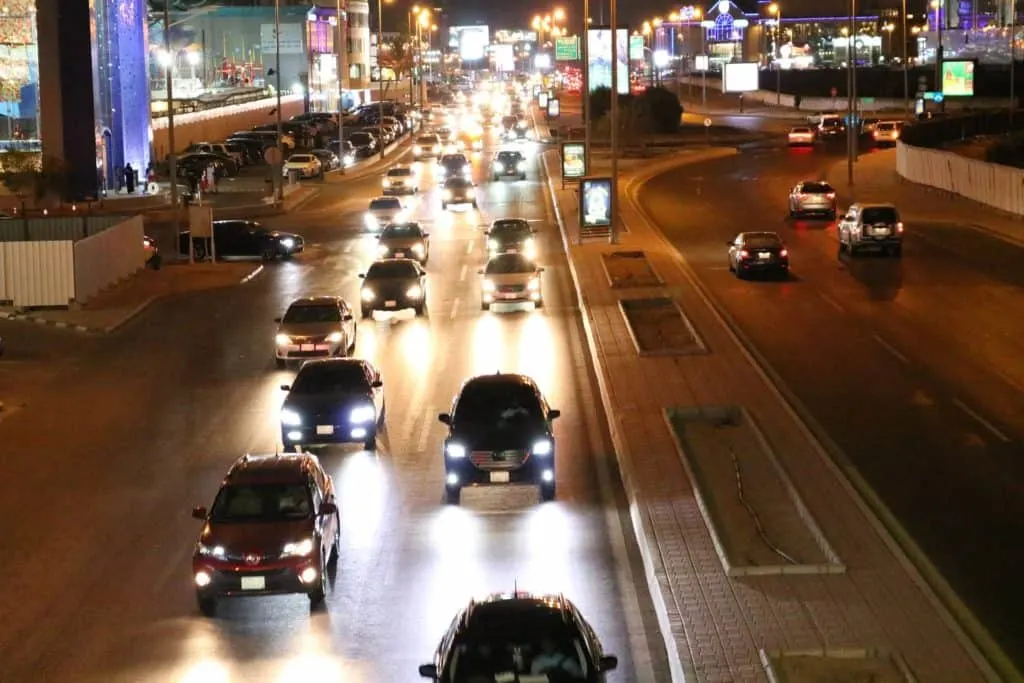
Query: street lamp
(380, 68)
(775, 9)
(559, 14)
(906, 73)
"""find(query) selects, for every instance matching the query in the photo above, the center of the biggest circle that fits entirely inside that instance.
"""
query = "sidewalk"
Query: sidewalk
(876, 180)
(850, 606)
(115, 307)
(722, 104)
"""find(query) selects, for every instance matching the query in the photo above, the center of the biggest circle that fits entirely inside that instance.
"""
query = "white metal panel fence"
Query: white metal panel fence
(1001, 187)
(38, 273)
(107, 257)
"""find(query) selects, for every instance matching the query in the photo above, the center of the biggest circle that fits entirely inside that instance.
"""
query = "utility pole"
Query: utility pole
(172, 158)
(380, 69)
(279, 180)
(1013, 57)
(412, 60)
(851, 93)
(586, 87)
(906, 72)
(613, 237)
(342, 46)
(939, 16)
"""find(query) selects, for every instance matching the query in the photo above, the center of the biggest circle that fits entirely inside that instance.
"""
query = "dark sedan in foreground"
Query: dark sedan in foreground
(758, 252)
(243, 239)
(394, 285)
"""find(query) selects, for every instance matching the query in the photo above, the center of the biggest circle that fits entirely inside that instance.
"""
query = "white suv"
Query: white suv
(871, 226)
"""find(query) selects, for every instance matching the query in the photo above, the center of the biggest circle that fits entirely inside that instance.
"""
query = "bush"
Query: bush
(661, 110)
(1009, 151)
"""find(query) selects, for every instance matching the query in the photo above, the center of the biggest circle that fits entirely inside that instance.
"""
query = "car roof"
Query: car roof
(291, 467)
(318, 363)
(316, 301)
(391, 199)
(873, 205)
(514, 605)
(500, 378)
(761, 234)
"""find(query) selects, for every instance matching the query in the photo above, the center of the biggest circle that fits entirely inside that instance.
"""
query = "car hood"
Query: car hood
(264, 538)
(459, 191)
(309, 329)
(489, 437)
(385, 215)
(511, 278)
(391, 282)
(400, 242)
(285, 236)
(510, 240)
(320, 403)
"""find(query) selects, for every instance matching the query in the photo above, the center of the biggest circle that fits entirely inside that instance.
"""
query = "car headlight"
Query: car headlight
(371, 221)
(417, 150)
(282, 340)
(335, 337)
(290, 418)
(470, 192)
(367, 294)
(287, 243)
(521, 166)
(382, 250)
(455, 450)
(362, 414)
(384, 181)
(467, 172)
(534, 284)
(447, 194)
(541, 447)
(414, 292)
(489, 285)
(301, 548)
(498, 166)
(418, 249)
(211, 550)
(493, 244)
(349, 159)
(521, 124)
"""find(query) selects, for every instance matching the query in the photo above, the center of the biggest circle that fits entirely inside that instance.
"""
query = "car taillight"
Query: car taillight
(784, 253)
(831, 195)
(899, 227)
(744, 253)
(875, 134)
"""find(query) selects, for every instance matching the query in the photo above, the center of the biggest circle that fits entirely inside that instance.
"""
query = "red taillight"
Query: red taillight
(784, 253)
(899, 227)
(875, 135)
(831, 195)
(744, 253)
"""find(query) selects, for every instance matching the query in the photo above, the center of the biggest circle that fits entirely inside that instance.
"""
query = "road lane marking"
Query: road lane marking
(424, 433)
(469, 247)
(831, 302)
(891, 349)
(455, 308)
(462, 273)
(982, 421)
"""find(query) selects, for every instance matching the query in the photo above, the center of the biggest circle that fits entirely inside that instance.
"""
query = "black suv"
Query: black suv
(456, 166)
(509, 163)
(273, 529)
(499, 432)
(505, 637)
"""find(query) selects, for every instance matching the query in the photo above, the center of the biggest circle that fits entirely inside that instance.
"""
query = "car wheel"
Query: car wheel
(199, 250)
(281, 363)
(452, 495)
(739, 273)
(444, 206)
(268, 253)
(522, 177)
(484, 306)
(896, 251)
(539, 303)
(366, 312)
(318, 594)
(474, 204)
(420, 309)
(831, 215)
(207, 606)
(370, 442)
(547, 492)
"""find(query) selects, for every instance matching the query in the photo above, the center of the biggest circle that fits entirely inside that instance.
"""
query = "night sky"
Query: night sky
(516, 14)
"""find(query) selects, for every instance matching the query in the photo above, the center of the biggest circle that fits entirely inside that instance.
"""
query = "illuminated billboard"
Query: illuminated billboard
(636, 48)
(504, 57)
(471, 41)
(740, 77)
(599, 49)
(512, 36)
(958, 78)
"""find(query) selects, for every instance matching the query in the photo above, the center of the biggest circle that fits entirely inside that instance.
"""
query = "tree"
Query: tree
(397, 56)
(26, 174)
(662, 110)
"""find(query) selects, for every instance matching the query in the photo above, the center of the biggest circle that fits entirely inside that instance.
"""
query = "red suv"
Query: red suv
(273, 528)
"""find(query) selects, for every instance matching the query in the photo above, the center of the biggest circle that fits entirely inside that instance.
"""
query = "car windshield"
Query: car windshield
(509, 263)
(879, 214)
(321, 378)
(300, 158)
(385, 204)
(497, 403)
(400, 172)
(312, 314)
(801, 130)
(261, 503)
(427, 140)
(397, 268)
(831, 123)
(816, 188)
(886, 126)
(511, 231)
(761, 239)
(359, 138)
(509, 156)
(402, 230)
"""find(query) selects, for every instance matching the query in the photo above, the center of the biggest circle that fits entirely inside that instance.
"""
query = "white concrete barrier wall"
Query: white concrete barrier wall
(219, 123)
(998, 186)
(107, 257)
(38, 273)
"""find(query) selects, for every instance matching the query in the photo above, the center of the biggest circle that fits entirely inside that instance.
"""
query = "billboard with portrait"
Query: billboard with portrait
(504, 58)
(599, 54)
(471, 41)
(554, 108)
(574, 164)
(595, 202)
(740, 77)
(958, 78)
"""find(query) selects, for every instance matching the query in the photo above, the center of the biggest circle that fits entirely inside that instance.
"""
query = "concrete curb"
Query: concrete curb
(977, 642)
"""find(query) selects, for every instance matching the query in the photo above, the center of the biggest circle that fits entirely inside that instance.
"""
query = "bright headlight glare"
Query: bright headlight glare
(447, 194)
(455, 450)
(371, 220)
(528, 243)
(521, 166)
(335, 337)
(414, 292)
(418, 249)
(493, 244)
(382, 250)
(533, 284)
(471, 193)
(290, 418)
(417, 150)
(498, 166)
(299, 548)
(488, 285)
(367, 294)
(542, 447)
(362, 414)
(287, 243)
(282, 340)
(211, 550)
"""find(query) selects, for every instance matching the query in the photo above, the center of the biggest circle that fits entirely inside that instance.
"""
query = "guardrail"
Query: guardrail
(212, 101)
(940, 130)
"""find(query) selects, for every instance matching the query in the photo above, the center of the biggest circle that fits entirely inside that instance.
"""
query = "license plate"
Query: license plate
(881, 231)
(325, 430)
(511, 295)
(254, 583)
(399, 254)
(390, 304)
(764, 255)
(499, 477)
(513, 251)
(307, 347)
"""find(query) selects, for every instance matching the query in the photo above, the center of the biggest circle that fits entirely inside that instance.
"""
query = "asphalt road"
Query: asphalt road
(914, 367)
(102, 466)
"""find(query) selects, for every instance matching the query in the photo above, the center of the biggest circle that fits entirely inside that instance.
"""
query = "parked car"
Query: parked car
(224, 166)
(329, 161)
(218, 148)
(364, 143)
(239, 238)
(345, 150)
(306, 165)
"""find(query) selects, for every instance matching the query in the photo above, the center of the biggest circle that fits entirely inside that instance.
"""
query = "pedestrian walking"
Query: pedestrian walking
(129, 178)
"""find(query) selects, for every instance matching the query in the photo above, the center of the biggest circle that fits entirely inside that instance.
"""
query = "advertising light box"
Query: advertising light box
(542, 100)
(596, 202)
(958, 78)
(504, 58)
(472, 41)
(574, 163)
(599, 49)
(740, 77)
(554, 108)
(636, 48)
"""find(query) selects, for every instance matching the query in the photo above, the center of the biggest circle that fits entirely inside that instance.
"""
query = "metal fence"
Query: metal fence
(59, 228)
(938, 131)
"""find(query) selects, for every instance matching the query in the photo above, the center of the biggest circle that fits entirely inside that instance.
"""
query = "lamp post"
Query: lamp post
(937, 4)
(380, 68)
(423, 23)
(414, 12)
(775, 9)
(342, 48)
(1013, 57)
(172, 158)
(279, 195)
(851, 58)
(613, 236)
(586, 87)
(906, 71)
(704, 72)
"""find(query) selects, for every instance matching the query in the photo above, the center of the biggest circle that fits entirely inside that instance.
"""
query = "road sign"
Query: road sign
(834, 92)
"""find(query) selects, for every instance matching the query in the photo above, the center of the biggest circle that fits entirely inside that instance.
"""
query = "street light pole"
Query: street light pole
(851, 94)
(1013, 57)
(906, 71)
(172, 158)
(277, 73)
(380, 69)
(938, 45)
(342, 47)
(613, 237)
(778, 48)
(412, 62)
(585, 48)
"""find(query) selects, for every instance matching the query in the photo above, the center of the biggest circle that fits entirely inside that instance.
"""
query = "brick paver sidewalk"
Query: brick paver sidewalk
(722, 628)
(876, 180)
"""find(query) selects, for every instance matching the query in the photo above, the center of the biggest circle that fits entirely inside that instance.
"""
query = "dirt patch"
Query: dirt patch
(629, 269)
(659, 327)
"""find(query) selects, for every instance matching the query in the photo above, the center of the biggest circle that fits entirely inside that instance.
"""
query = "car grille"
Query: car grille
(511, 289)
(499, 460)
(247, 558)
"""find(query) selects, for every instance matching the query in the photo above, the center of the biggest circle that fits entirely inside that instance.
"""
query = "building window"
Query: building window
(722, 31)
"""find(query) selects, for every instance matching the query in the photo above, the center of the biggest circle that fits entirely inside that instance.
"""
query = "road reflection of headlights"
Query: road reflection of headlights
(361, 414)
(283, 340)
(299, 549)
(367, 294)
(534, 284)
(489, 285)
(493, 244)
(455, 450)
(418, 249)
(290, 418)
(335, 337)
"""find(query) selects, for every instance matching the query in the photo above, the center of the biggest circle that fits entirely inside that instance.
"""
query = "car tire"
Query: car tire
(522, 177)
(268, 253)
(831, 215)
(319, 594)
(420, 309)
(281, 363)
(207, 606)
(444, 206)
(547, 492)
(453, 495)
(370, 442)
(485, 306)
(539, 303)
(474, 204)
(897, 251)
(732, 269)
(332, 559)
(366, 313)
(199, 250)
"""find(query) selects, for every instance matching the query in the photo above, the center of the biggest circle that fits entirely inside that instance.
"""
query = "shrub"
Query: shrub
(661, 110)
(1008, 151)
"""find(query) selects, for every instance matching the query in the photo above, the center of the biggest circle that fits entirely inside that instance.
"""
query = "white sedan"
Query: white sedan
(384, 211)
(307, 165)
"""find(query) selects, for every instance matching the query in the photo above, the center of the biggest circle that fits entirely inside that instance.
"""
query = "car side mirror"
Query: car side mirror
(377, 384)
(327, 509)
(608, 663)
(479, 271)
(444, 418)
(277, 320)
(346, 318)
(554, 414)
(541, 269)
(428, 671)
(362, 276)
(199, 512)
